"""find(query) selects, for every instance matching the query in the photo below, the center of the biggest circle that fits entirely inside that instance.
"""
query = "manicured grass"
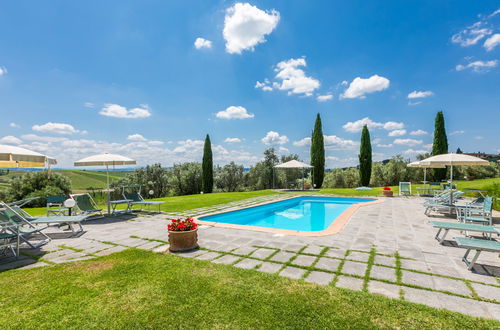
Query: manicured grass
(139, 289)
(188, 202)
(81, 180)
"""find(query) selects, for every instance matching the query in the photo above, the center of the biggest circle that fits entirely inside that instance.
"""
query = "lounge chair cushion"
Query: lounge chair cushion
(59, 219)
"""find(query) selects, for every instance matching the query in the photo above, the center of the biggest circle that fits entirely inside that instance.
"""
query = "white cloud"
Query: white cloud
(47, 139)
(492, 42)
(200, 43)
(118, 111)
(9, 139)
(361, 86)
(234, 112)
(324, 98)
(136, 137)
(471, 35)
(292, 78)
(283, 150)
(232, 140)
(356, 126)
(302, 143)
(414, 103)
(419, 132)
(14, 125)
(478, 66)
(478, 137)
(457, 132)
(414, 152)
(419, 95)
(332, 142)
(55, 128)
(265, 86)
(156, 143)
(427, 146)
(385, 145)
(3, 70)
(407, 142)
(89, 105)
(245, 26)
(188, 145)
(274, 138)
(397, 132)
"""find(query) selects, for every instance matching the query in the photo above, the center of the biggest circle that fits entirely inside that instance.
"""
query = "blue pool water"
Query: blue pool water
(300, 213)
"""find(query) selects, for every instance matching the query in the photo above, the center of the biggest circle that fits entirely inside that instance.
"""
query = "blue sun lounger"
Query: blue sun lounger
(479, 245)
(447, 226)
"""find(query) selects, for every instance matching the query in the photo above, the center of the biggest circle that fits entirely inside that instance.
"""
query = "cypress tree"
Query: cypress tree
(318, 153)
(440, 144)
(207, 167)
(365, 158)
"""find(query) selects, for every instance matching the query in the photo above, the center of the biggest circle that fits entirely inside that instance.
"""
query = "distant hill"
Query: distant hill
(80, 180)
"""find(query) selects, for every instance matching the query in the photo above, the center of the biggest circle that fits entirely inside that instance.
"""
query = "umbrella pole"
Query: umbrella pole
(107, 182)
(303, 185)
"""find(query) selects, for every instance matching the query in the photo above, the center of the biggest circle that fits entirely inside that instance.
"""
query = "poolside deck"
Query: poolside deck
(386, 248)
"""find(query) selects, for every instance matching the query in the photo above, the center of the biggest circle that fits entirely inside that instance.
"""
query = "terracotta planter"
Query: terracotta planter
(387, 193)
(183, 240)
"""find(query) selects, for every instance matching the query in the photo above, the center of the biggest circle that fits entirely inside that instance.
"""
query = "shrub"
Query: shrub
(38, 184)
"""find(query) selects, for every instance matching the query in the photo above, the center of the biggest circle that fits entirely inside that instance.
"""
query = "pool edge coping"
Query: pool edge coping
(334, 228)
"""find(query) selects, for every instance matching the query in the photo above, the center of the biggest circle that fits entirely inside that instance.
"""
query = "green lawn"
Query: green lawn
(139, 289)
(188, 202)
(81, 180)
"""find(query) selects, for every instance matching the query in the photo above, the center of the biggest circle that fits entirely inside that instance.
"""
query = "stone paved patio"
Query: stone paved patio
(386, 249)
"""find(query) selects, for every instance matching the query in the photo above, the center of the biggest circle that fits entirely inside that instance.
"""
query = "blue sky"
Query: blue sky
(149, 79)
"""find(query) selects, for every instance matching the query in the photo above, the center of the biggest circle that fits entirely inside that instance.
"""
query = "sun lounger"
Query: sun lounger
(447, 226)
(405, 188)
(22, 227)
(479, 245)
(86, 205)
(58, 202)
(477, 214)
(9, 238)
(137, 199)
(442, 202)
(16, 212)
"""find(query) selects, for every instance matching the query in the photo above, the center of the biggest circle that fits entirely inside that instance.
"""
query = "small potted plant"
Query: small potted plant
(387, 192)
(182, 235)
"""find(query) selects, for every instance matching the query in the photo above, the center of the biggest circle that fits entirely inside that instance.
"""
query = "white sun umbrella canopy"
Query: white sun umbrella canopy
(294, 164)
(425, 167)
(107, 160)
(453, 160)
(17, 157)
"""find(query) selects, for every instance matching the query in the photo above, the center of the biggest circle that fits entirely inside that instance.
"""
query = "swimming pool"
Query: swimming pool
(305, 213)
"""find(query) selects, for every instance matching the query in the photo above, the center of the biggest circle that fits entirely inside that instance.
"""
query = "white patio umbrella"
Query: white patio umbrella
(105, 160)
(295, 164)
(418, 164)
(453, 160)
(17, 157)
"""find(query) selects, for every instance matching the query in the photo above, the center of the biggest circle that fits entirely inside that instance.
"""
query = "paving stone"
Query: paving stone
(161, 248)
(226, 259)
(35, 265)
(111, 250)
(227, 247)
(262, 253)
(244, 250)
(328, 264)
(282, 256)
(383, 273)
(418, 279)
(487, 291)
(356, 268)
(320, 277)
(302, 260)
(414, 264)
(313, 249)
(383, 260)
(448, 284)
(248, 263)
(149, 246)
(293, 272)
(348, 282)
(208, 256)
(360, 256)
(384, 289)
(449, 302)
(293, 247)
(336, 253)
(269, 267)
